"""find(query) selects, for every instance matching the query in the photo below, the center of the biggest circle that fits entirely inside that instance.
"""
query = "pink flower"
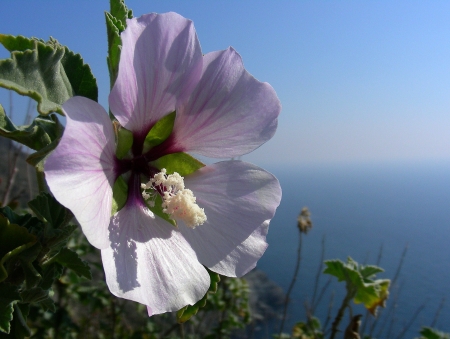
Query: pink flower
(221, 112)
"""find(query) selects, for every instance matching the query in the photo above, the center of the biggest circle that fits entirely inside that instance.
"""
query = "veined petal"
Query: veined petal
(160, 64)
(80, 171)
(230, 113)
(239, 200)
(150, 262)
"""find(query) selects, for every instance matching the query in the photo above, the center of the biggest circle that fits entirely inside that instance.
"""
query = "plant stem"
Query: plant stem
(318, 275)
(40, 176)
(341, 311)
(291, 286)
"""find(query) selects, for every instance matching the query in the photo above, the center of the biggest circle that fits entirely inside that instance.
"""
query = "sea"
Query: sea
(394, 215)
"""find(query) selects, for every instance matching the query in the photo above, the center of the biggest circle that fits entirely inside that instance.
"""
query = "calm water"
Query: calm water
(359, 209)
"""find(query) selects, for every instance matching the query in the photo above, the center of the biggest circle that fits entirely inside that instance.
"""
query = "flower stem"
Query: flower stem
(340, 314)
(291, 286)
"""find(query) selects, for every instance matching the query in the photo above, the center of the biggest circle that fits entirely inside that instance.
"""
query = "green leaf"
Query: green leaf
(182, 163)
(34, 295)
(32, 224)
(115, 24)
(70, 259)
(49, 274)
(48, 305)
(14, 239)
(39, 134)
(47, 72)
(56, 239)
(189, 311)
(431, 333)
(27, 257)
(37, 159)
(49, 210)
(120, 11)
(120, 195)
(369, 270)
(373, 295)
(347, 272)
(8, 296)
(19, 327)
(160, 131)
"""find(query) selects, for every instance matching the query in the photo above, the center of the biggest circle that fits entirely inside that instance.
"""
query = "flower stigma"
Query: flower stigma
(178, 201)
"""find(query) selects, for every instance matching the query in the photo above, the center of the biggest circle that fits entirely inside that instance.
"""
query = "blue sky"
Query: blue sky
(359, 81)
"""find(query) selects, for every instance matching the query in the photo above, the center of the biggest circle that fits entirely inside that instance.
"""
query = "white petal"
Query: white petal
(160, 64)
(80, 171)
(239, 200)
(150, 262)
(230, 113)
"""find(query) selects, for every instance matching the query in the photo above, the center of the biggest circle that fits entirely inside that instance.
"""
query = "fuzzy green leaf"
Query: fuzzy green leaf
(49, 274)
(115, 24)
(34, 295)
(182, 163)
(27, 257)
(431, 333)
(19, 327)
(47, 72)
(48, 305)
(373, 295)
(70, 259)
(32, 224)
(8, 296)
(369, 270)
(56, 239)
(14, 239)
(39, 134)
(49, 210)
(37, 159)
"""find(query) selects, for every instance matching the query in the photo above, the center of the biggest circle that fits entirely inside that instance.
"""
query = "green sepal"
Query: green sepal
(160, 131)
(115, 24)
(47, 72)
(182, 163)
(70, 259)
(158, 210)
(120, 195)
(9, 295)
(124, 141)
(42, 131)
(189, 311)
(14, 239)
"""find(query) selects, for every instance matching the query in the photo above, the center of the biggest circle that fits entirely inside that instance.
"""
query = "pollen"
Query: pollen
(178, 202)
